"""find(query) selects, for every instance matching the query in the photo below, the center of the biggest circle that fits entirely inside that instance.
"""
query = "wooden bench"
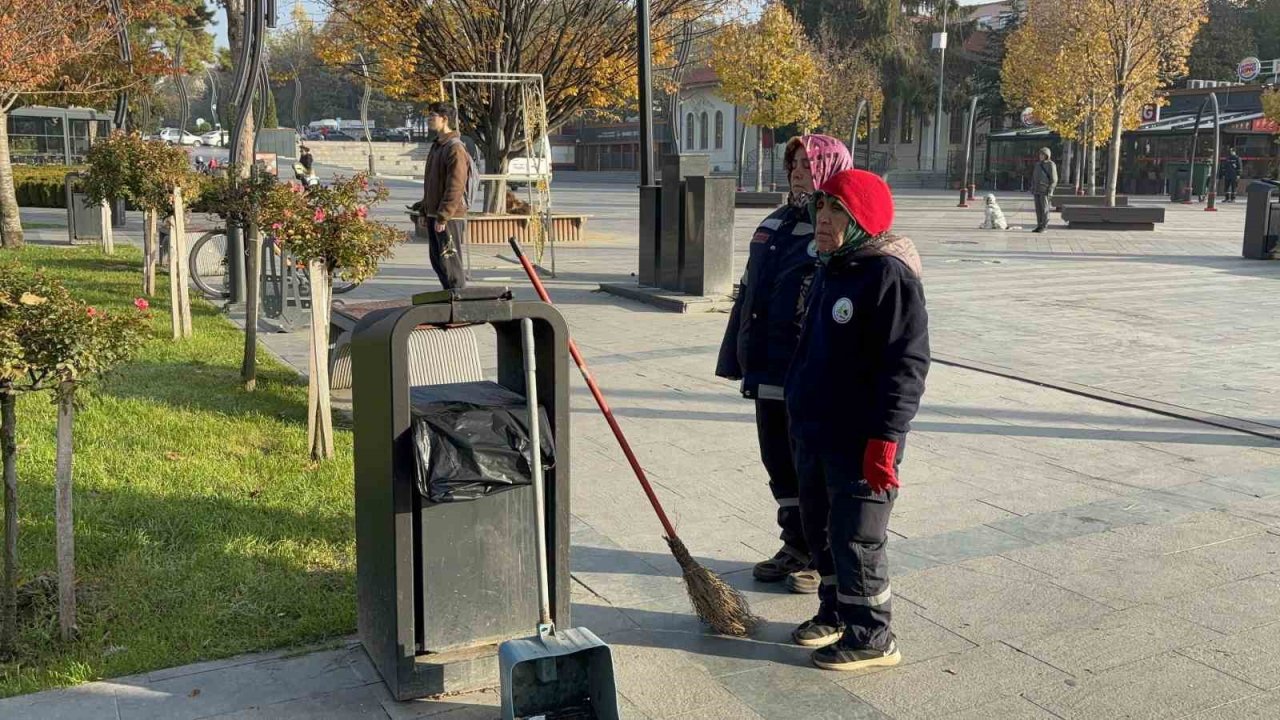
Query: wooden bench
(495, 229)
(1091, 200)
(752, 199)
(1082, 217)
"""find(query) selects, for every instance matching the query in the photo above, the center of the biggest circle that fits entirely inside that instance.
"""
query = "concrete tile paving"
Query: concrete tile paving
(1056, 556)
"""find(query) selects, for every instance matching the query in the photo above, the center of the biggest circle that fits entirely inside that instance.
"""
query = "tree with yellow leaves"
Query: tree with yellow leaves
(769, 68)
(847, 75)
(585, 51)
(1095, 63)
(1146, 46)
(1052, 64)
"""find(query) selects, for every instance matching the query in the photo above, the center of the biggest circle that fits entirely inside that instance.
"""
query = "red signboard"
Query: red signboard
(1265, 125)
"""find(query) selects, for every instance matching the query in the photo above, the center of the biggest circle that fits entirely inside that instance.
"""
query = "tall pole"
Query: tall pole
(644, 77)
(968, 152)
(1217, 150)
(853, 136)
(942, 64)
(364, 112)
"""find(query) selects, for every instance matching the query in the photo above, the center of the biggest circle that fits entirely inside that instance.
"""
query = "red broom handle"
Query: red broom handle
(595, 392)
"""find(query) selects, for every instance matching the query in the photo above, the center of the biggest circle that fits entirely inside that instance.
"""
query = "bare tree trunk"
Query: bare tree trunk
(10, 221)
(249, 366)
(66, 542)
(149, 253)
(1093, 161)
(1113, 156)
(108, 239)
(235, 37)
(319, 412)
(496, 162)
(9, 448)
(759, 158)
(178, 252)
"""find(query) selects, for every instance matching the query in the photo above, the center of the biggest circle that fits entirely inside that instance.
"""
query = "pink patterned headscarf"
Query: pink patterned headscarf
(827, 156)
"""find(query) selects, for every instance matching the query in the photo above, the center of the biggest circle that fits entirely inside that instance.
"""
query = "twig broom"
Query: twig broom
(715, 601)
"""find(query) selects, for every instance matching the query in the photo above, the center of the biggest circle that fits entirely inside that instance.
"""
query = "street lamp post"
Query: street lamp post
(942, 64)
(650, 200)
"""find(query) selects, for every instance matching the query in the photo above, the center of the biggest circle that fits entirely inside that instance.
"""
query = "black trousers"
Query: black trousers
(1042, 210)
(847, 524)
(445, 251)
(1229, 188)
(775, 453)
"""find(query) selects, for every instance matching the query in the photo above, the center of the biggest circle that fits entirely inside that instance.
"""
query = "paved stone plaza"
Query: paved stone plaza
(1054, 555)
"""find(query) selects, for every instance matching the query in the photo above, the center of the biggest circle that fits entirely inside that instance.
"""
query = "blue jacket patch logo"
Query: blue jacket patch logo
(842, 311)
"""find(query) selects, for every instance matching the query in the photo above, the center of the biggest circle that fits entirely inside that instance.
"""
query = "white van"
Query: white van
(521, 168)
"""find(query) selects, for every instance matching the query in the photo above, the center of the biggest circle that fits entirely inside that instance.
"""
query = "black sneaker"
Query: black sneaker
(778, 567)
(817, 632)
(839, 656)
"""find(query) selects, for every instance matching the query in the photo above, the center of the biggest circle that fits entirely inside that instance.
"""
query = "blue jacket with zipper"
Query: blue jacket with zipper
(860, 368)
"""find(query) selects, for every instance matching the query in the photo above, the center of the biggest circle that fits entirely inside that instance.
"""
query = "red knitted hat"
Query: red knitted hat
(866, 196)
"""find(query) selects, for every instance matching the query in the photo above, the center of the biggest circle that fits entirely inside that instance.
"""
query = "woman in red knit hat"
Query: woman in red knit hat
(851, 392)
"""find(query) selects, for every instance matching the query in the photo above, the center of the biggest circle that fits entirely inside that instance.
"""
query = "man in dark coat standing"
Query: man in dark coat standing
(443, 200)
(1230, 176)
(851, 392)
(761, 337)
(1044, 178)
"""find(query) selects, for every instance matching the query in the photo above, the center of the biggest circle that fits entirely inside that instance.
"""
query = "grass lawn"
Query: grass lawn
(202, 529)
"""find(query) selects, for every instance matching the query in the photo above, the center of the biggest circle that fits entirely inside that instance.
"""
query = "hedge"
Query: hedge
(42, 185)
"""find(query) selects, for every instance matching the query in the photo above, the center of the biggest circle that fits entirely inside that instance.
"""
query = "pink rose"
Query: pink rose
(364, 183)
(92, 312)
(140, 303)
(276, 226)
(361, 212)
(319, 216)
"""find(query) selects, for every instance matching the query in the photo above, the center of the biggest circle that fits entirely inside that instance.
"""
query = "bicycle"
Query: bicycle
(209, 273)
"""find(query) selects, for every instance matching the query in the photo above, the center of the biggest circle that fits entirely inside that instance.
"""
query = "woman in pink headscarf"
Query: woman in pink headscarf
(763, 331)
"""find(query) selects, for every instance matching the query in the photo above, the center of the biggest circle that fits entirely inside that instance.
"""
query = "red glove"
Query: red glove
(877, 464)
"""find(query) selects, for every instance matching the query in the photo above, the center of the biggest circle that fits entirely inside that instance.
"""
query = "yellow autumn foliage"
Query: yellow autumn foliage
(769, 68)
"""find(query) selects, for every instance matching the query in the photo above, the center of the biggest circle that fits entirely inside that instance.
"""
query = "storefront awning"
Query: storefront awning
(1240, 121)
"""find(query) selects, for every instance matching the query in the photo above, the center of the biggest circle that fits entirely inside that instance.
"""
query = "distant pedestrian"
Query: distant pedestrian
(1044, 178)
(1230, 173)
(761, 337)
(306, 159)
(851, 392)
(445, 196)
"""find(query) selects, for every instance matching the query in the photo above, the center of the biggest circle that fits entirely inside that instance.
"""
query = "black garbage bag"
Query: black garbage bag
(472, 440)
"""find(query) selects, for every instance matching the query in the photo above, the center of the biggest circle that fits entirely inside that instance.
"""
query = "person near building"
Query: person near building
(1230, 173)
(1044, 178)
(851, 392)
(444, 196)
(764, 326)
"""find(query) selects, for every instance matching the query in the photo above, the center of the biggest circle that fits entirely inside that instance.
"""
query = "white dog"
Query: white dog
(993, 218)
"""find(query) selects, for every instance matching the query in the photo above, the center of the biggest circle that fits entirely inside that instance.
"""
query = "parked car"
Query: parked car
(400, 134)
(313, 135)
(338, 135)
(215, 138)
(376, 134)
(520, 169)
(174, 136)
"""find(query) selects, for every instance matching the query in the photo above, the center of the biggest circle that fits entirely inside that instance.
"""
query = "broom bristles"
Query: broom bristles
(716, 602)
